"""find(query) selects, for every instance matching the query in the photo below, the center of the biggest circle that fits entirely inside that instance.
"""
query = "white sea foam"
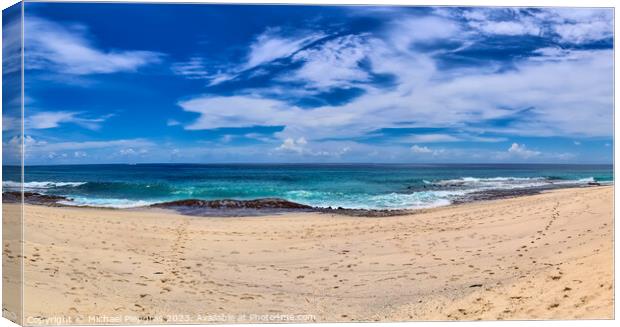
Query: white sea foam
(474, 180)
(39, 185)
(106, 203)
(414, 200)
(423, 199)
(450, 190)
(508, 182)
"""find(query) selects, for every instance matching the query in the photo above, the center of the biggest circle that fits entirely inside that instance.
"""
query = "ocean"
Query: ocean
(352, 186)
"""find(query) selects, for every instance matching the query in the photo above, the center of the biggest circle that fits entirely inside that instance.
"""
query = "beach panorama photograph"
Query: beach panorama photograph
(231, 163)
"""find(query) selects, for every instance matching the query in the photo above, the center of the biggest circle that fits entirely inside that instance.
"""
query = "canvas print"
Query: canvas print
(212, 163)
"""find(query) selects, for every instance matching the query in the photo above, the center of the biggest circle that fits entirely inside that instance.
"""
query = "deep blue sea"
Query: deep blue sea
(363, 186)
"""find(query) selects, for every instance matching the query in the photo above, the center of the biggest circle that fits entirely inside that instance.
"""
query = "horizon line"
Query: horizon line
(311, 163)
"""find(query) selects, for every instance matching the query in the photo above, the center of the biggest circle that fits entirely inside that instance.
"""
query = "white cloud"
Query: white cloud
(424, 150)
(563, 94)
(580, 25)
(562, 156)
(443, 138)
(334, 64)
(562, 89)
(585, 32)
(495, 21)
(68, 49)
(194, 68)
(237, 111)
(570, 25)
(199, 68)
(53, 119)
(485, 139)
(271, 45)
(45, 120)
(28, 141)
(54, 155)
(221, 77)
(299, 148)
(406, 32)
(293, 145)
(227, 138)
(477, 14)
(10, 123)
(259, 137)
(41, 151)
(420, 149)
(507, 27)
(559, 54)
(126, 152)
(268, 46)
(173, 122)
(36, 145)
(11, 45)
(522, 151)
(132, 152)
(576, 142)
(432, 138)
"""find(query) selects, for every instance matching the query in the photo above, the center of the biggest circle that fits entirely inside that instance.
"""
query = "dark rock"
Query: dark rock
(496, 194)
(33, 198)
(11, 197)
(365, 212)
(258, 207)
(266, 203)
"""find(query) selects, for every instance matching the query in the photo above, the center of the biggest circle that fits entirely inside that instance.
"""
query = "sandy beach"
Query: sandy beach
(545, 256)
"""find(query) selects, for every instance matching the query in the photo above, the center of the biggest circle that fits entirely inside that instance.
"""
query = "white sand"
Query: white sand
(536, 257)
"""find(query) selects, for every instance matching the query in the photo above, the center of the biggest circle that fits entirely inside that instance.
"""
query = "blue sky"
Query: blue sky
(132, 83)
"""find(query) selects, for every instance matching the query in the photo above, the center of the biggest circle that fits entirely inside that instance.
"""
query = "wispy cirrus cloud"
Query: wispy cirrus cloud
(270, 45)
(194, 68)
(336, 63)
(503, 21)
(360, 84)
(420, 30)
(69, 49)
(580, 25)
(198, 68)
(237, 111)
(11, 43)
(53, 119)
(567, 25)
(429, 102)
(477, 104)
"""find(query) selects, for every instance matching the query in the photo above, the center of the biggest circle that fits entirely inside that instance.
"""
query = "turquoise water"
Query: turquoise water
(322, 185)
